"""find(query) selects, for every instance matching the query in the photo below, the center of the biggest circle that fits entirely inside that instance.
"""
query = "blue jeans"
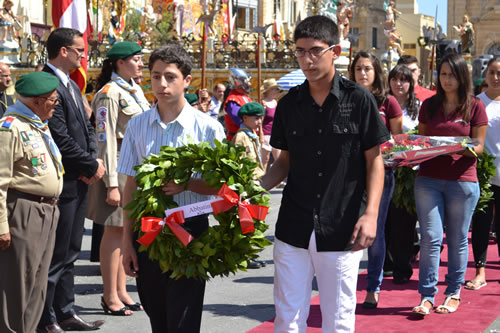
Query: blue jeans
(443, 203)
(376, 252)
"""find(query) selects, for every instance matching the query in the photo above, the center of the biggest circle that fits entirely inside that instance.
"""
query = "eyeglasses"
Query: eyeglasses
(53, 100)
(79, 52)
(314, 53)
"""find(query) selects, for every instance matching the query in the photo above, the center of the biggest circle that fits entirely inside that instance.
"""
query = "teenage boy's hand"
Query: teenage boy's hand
(172, 188)
(364, 232)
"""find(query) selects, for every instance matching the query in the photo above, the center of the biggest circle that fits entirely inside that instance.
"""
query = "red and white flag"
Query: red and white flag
(73, 14)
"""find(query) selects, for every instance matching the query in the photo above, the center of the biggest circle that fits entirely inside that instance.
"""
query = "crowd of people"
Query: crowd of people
(61, 164)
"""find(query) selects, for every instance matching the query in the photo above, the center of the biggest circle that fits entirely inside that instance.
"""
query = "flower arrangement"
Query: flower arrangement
(223, 248)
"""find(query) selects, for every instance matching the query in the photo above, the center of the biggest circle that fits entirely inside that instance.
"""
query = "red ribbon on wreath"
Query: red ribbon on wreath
(152, 226)
(246, 210)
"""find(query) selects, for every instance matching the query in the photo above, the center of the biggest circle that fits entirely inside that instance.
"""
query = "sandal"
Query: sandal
(475, 284)
(422, 309)
(134, 307)
(121, 312)
(445, 305)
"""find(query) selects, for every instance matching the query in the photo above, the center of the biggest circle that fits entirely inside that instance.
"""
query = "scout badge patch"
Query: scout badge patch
(105, 89)
(101, 125)
(24, 136)
(7, 122)
(123, 103)
(101, 136)
(43, 160)
(102, 112)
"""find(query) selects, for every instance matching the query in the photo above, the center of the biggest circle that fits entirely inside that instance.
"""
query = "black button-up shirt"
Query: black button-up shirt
(326, 186)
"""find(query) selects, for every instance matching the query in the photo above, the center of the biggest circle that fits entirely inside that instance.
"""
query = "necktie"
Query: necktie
(72, 92)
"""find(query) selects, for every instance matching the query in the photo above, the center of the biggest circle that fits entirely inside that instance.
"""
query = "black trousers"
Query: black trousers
(173, 306)
(402, 241)
(481, 223)
(60, 288)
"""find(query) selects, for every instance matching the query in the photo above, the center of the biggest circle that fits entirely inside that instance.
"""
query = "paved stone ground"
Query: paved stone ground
(234, 304)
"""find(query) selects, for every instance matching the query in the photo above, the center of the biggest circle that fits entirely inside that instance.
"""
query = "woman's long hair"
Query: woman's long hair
(461, 73)
(108, 67)
(379, 86)
(404, 73)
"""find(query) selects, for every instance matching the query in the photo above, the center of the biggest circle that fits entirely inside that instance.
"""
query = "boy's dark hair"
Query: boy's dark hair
(407, 59)
(172, 53)
(317, 27)
(460, 71)
(379, 86)
(402, 72)
(60, 37)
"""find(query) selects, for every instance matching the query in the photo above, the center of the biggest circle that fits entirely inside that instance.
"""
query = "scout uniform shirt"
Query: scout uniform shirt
(26, 164)
(252, 149)
(113, 107)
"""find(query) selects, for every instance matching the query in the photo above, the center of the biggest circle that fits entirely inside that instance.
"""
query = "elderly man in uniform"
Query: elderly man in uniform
(31, 179)
(5, 80)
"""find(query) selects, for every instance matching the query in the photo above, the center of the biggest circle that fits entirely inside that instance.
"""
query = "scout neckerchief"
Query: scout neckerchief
(21, 110)
(4, 102)
(133, 90)
(252, 136)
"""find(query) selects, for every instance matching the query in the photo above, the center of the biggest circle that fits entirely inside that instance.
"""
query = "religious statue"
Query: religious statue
(466, 32)
(9, 23)
(390, 26)
(344, 14)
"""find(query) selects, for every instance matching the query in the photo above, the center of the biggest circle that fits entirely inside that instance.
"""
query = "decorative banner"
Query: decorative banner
(190, 27)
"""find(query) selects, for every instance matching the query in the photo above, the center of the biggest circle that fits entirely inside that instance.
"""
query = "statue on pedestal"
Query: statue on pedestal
(466, 32)
(344, 14)
(8, 21)
(10, 29)
(390, 26)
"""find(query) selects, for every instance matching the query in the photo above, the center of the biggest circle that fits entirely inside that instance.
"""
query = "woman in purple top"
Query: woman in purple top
(269, 91)
(367, 71)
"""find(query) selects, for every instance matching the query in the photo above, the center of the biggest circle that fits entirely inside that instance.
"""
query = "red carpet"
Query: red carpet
(477, 311)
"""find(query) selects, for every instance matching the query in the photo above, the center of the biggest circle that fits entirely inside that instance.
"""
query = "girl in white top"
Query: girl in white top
(482, 221)
(401, 86)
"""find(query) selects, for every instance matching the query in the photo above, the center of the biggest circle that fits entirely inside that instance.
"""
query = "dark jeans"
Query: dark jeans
(402, 241)
(173, 306)
(481, 222)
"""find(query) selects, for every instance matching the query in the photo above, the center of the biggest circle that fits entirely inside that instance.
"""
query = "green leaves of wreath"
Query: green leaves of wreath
(423, 41)
(220, 250)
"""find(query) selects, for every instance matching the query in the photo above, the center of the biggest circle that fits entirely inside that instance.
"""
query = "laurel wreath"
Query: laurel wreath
(220, 250)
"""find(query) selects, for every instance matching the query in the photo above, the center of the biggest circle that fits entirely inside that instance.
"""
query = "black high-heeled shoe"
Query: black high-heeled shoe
(121, 312)
(134, 307)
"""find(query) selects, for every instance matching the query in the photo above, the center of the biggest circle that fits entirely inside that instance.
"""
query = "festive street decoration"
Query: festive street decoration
(222, 249)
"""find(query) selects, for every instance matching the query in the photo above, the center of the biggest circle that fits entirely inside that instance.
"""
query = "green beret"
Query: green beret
(36, 84)
(121, 50)
(251, 109)
(191, 98)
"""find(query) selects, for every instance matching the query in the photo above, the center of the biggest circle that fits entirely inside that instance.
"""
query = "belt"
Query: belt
(37, 198)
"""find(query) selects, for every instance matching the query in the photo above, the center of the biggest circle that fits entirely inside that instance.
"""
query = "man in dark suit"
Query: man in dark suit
(5, 80)
(75, 137)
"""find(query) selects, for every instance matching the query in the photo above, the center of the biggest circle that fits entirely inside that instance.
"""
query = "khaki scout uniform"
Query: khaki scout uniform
(29, 187)
(113, 107)
(252, 151)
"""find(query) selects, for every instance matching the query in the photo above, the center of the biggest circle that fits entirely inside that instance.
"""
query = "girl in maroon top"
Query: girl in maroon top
(366, 70)
(446, 187)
